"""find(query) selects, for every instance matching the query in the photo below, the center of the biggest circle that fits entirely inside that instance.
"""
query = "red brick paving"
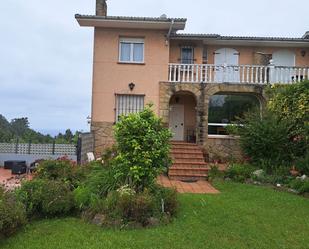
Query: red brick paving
(199, 187)
(9, 181)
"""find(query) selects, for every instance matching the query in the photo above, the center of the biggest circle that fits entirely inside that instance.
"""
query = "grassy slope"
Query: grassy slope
(242, 216)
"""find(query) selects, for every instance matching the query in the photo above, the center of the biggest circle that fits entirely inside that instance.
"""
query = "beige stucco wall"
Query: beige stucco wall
(247, 54)
(111, 77)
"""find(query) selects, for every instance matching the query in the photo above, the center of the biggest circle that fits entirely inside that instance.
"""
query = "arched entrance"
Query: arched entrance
(182, 116)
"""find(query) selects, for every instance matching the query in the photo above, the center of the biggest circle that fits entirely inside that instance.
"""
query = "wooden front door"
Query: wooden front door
(176, 121)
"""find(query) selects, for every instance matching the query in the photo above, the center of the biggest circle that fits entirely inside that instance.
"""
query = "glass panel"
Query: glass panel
(187, 55)
(125, 51)
(138, 52)
(226, 109)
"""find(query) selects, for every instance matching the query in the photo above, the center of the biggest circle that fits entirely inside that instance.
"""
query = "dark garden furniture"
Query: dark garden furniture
(17, 167)
(10, 163)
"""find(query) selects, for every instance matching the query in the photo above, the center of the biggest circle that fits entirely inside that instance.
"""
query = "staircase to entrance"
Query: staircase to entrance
(188, 162)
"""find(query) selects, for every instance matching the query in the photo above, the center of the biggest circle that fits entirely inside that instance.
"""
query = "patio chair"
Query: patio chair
(90, 156)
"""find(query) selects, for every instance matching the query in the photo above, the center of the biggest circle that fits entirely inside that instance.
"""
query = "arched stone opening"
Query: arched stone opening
(182, 116)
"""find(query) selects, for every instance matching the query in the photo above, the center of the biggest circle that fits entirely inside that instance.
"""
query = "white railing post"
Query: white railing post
(254, 74)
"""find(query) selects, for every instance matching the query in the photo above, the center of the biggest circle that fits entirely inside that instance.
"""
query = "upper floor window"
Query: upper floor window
(187, 55)
(131, 50)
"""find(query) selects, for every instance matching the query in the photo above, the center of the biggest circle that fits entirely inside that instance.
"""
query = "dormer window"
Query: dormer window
(131, 50)
(187, 55)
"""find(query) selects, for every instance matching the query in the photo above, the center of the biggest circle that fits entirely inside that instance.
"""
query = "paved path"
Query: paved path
(199, 187)
(9, 181)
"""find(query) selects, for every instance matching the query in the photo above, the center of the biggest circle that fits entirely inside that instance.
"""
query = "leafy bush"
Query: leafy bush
(143, 149)
(267, 140)
(46, 197)
(126, 206)
(291, 103)
(302, 164)
(12, 214)
(214, 172)
(57, 199)
(62, 169)
(30, 194)
(101, 179)
(166, 199)
(302, 186)
(239, 172)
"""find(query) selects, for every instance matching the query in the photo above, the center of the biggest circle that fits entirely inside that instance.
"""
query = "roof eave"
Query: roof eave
(94, 21)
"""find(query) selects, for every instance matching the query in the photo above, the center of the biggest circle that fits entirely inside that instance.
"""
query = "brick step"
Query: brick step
(182, 143)
(188, 153)
(187, 160)
(176, 176)
(187, 171)
(186, 150)
(189, 167)
(186, 164)
(185, 146)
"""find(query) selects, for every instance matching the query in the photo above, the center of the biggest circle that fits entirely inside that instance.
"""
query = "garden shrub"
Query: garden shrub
(30, 194)
(143, 149)
(214, 172)
(129, 206)
(291, 103)
(301, 186)
(57, 198)
(62, 169)
(102, 179)
(46, 197)
(169, 198)
(12, 214)
(239, 172)
(125, 206)
(82, 197)
(302, 164)
(267, 141)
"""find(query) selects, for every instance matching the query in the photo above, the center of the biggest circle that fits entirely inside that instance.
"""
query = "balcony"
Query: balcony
(244, 74)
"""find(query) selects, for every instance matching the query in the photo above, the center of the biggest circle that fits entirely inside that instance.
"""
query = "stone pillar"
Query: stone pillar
(201, 115)
(101, 8)
(103, 136)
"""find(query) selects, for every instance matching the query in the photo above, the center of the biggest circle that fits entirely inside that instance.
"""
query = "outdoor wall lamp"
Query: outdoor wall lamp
(131, 86)
(303, 53)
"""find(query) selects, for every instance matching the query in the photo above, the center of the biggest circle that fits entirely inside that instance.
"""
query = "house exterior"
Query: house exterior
(138, 60)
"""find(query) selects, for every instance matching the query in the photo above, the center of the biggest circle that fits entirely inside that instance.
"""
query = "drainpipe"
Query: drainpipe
(169, 32)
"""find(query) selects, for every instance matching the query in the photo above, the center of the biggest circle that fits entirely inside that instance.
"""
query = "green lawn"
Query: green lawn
(242, 216)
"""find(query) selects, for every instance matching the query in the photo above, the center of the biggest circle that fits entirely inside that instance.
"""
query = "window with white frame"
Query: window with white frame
(131, 50)
(128, 103)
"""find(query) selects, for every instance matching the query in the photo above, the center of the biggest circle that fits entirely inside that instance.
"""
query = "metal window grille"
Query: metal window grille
(126, 104)
(187, 55)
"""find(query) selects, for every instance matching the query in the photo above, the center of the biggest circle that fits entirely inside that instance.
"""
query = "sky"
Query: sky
(46, 58)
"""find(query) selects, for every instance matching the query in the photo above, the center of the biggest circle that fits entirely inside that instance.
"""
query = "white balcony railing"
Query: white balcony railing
(252, 74)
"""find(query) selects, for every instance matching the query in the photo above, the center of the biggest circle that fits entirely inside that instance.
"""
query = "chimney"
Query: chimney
(101, 8)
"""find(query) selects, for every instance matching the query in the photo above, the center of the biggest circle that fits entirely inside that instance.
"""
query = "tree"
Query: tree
(19, 126)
